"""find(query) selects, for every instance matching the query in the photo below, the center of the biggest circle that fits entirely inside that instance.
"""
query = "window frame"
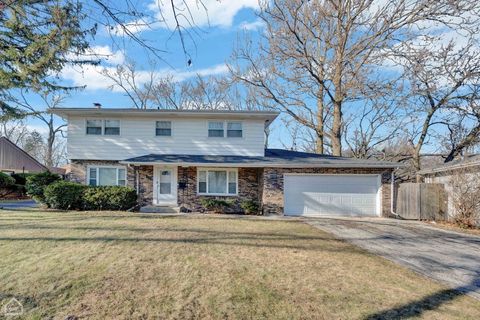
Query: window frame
(97, 173)
(225, 129)
(86, 127)
(103, 127)
(155, 129)
(227, 170)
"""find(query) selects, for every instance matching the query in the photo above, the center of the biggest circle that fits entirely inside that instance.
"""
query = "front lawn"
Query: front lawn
(131, 266)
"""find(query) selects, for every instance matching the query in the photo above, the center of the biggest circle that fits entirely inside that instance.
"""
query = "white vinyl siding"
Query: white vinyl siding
(189, 136)
(106, 176)
(331, 195)
(221, 182)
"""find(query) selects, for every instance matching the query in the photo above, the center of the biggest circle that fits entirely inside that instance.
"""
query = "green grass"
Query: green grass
(130, 266)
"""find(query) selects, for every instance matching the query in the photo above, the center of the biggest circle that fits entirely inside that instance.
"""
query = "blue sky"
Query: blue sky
(210, 47)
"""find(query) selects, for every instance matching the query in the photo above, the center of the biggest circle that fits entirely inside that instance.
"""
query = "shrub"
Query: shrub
(216, 205)
(109, 198)
(65, 195)
(21, 178)
(36, 184)
(465, 193)
(6, 181)
(250, 206)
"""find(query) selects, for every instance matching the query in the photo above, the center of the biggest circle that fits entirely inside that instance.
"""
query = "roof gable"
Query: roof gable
(13, 158)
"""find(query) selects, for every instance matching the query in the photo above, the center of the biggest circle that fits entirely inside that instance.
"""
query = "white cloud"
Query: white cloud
(104, 53)
(255, 25)
(215, 13)
(92, 76)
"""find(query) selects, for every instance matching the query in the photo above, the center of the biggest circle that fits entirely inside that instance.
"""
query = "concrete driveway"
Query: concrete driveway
(17, 204)
(447, 256)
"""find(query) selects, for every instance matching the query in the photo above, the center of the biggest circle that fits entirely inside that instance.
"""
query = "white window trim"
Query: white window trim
(172, 130)
(217, 194)
(225, 129)
(87, 182)
(103, 127)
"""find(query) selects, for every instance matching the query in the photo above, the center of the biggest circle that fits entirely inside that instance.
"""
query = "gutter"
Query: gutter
(263, 165)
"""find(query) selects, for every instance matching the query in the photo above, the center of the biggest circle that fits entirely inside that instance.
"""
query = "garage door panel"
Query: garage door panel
(317, 195)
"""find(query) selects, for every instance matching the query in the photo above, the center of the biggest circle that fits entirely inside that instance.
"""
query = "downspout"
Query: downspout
(392, 195)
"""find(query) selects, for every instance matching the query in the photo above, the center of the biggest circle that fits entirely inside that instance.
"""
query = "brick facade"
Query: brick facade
(264, 185)
(248, 189)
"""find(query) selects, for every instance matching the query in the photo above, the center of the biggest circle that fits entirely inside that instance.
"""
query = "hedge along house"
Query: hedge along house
(174, 158)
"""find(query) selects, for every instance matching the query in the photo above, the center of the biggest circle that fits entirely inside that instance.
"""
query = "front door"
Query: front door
(165, 186)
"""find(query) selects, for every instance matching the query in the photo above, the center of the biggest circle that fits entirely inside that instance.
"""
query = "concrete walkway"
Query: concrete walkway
(447, 256)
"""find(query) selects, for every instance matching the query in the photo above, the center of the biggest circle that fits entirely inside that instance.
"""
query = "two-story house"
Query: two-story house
(176, 157)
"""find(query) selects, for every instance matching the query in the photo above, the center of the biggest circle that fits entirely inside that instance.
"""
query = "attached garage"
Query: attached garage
(332, 195)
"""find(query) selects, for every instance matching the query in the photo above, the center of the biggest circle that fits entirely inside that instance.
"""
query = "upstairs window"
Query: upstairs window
(234, 130)
(163, 129)
(94, 127)
(106, 127)
(112, 127)
(215, 129)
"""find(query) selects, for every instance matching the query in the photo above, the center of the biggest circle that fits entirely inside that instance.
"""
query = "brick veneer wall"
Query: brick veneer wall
(78, 170)
(272, 197)
(248, 189)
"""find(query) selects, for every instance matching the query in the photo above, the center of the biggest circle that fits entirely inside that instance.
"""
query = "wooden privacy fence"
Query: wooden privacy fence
(423, 201)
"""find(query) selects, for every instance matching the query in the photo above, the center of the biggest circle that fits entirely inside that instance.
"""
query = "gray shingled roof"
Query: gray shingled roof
(273, 158)
(468, 162)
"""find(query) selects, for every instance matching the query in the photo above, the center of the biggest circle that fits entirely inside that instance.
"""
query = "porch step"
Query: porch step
(160, 209)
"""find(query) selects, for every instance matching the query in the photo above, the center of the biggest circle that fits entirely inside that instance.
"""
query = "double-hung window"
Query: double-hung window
(163, 128)
(217, 181)
(234, 130)
(112, 127)
(215, 129)
(105, 127)
(106, 176)
(94, 127)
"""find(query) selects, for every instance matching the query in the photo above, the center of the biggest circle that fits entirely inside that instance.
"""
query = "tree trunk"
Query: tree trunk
(337, 129)
(49, 152)
(470, 139)
(319, 144)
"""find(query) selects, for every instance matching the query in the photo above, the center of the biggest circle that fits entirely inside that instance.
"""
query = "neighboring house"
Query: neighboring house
(468, 169)
(14, 159)
(176, 157)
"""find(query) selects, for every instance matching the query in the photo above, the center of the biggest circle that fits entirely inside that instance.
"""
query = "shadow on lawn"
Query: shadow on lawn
(418, 307)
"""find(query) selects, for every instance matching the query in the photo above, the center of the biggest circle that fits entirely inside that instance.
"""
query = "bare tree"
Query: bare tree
(316, 55)
(136, 85)
(151, 89)
(465, 188)
(441, 85)
(54, 129)
(13, 129)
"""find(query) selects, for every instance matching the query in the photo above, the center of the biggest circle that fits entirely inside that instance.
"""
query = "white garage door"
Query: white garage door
(332, 195)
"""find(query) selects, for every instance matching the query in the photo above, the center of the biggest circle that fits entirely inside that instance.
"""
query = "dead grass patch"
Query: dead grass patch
(129, 266)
